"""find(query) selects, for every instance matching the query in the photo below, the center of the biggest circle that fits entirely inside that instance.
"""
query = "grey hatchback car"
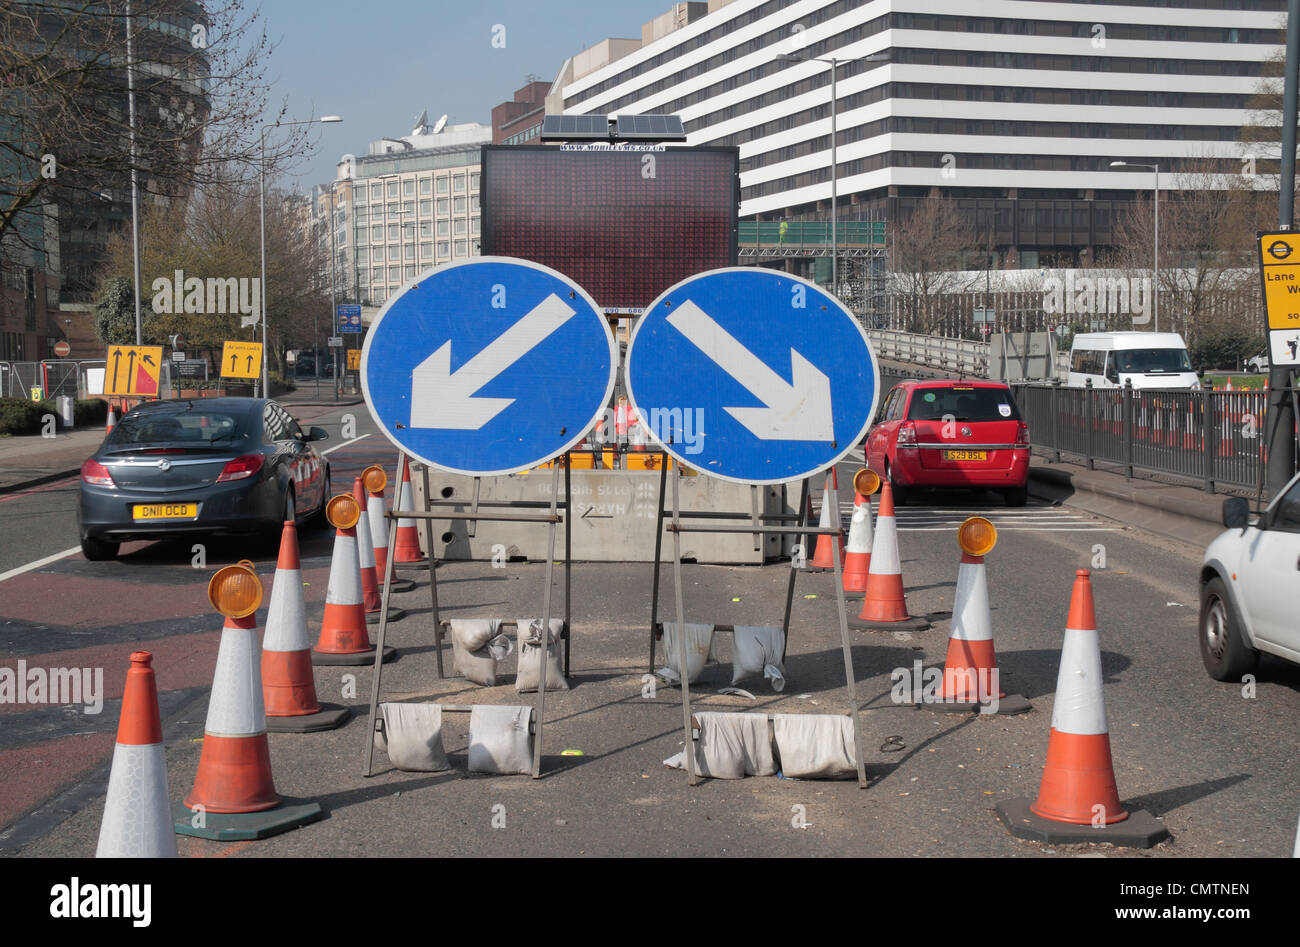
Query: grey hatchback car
(211, 466)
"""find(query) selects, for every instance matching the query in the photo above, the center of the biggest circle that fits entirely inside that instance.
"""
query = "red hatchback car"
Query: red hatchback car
(949, 433)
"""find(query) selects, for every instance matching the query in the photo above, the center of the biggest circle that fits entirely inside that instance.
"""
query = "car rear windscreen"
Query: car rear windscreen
(196, 427)
(962, 404)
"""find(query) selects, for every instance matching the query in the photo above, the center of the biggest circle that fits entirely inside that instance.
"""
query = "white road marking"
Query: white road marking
(344, 444)
(12, 573)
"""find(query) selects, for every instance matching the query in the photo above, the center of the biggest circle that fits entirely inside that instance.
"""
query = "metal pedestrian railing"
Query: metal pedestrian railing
(958, 355)
(1215, 438)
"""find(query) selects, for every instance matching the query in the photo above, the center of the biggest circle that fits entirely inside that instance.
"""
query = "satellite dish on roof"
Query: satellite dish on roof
(439, 124)
(421, 121)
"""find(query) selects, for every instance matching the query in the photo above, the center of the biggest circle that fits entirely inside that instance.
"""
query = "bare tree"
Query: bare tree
(1208, 276)
(202, 96)
(928, 250)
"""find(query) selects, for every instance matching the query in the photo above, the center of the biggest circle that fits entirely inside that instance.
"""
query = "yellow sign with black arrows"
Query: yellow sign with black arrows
(241, 360)
(354, 360)
(133, 369)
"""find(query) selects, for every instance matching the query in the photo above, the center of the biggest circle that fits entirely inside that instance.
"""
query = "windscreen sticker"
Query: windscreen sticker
(929, 396)
(1004, 410)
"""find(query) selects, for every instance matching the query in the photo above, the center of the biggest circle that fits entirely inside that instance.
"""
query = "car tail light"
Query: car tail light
(92, 471)
(241, 467)
(906, 435)
(1022, 435)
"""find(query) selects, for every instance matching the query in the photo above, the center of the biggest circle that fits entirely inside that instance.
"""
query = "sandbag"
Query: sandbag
(499, 741)
(477, 644)
(530, 655)
(699, 651)
(731, 746)
(758, 650)
(412, 737)
(815, 746)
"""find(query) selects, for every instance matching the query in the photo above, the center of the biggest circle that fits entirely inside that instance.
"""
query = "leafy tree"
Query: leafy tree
(115, 312)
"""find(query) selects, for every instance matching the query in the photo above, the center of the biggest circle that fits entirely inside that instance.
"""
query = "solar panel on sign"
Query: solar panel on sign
(651, 127)
(575, 128)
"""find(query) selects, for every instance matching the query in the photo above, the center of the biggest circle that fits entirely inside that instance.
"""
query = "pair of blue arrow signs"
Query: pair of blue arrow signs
(496, 365)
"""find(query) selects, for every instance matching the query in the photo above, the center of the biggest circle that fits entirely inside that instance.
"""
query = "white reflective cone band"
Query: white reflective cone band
(1079, 707)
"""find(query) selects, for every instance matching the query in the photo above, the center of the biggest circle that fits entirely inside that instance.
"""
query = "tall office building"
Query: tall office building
(1016, 108)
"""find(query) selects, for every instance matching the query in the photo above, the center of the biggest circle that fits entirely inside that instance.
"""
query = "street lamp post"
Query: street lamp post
(835, 63)
(261, 212)
(1155, 254)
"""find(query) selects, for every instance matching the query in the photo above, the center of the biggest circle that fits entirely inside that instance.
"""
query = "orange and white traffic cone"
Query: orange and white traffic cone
(137, 813)
(111, 422)
(1077, 798)
(823, 558)
(884, 603)
(857, 556)
(370, 594)
(343, 637)
(288, 685)
(1078, 776)
(234, 790)
(375, 480)
(970, 676)
(407, 550)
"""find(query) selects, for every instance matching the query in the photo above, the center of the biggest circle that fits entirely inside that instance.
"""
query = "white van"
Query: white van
(1148, 359)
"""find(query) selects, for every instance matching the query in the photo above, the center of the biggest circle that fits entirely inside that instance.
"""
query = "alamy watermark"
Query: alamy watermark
(1098, 294)
(36, 685)
(211, 296)
(922, 685)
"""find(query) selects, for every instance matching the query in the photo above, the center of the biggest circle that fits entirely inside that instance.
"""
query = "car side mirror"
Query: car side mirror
(320, 434)
(1236, 513)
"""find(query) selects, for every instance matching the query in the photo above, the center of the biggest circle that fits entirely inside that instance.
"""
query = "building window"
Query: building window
(361, 236)
(458, 205)
(443, 204)
(426, 228)
(426, 250)
(376, 192)
(394, 253)
(408, 188)
(473, 181)
(392, 209)
(410, 271)
(426, 208)
(426, 185)
(408, 207)
(394, 274)
(474, 227)
(460, 226)
(392, 189)
(442, 184)
(392, 231)
(410, 251)
(458, 183)
(442, 248)
(460, 248)
(473, 202)
(379, 254)
(442, 228)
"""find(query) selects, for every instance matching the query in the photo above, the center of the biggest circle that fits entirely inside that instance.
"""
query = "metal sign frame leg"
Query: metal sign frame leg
(546, 625)
(433, 576)
(379, 661)
(794, 566)
(688, 745)
(850, 678)
(659, 546)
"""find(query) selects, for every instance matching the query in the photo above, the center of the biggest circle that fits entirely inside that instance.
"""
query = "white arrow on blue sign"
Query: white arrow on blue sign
(489, 366)
(752, 375)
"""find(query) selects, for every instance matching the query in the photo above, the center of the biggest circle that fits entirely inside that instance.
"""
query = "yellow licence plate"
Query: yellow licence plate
(965, 455)
(165, 511)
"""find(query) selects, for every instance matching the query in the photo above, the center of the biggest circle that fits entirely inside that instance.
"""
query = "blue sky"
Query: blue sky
(380, 63)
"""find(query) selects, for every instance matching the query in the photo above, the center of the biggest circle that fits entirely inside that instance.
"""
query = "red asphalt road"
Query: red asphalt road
(100, 602)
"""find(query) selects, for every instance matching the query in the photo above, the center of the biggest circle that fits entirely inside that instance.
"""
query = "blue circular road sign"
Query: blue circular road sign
(489, 366)
(752, 375)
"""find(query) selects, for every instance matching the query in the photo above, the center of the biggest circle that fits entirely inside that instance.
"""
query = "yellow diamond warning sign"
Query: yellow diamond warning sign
(132, 369)
(241, 360)
(1279, 270)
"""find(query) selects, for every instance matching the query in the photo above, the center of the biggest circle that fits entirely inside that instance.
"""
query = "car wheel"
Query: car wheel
(1224, 652)
(1016, 496)
(98, 550)
(899, 490)
(1253, 368)
(274, 531)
